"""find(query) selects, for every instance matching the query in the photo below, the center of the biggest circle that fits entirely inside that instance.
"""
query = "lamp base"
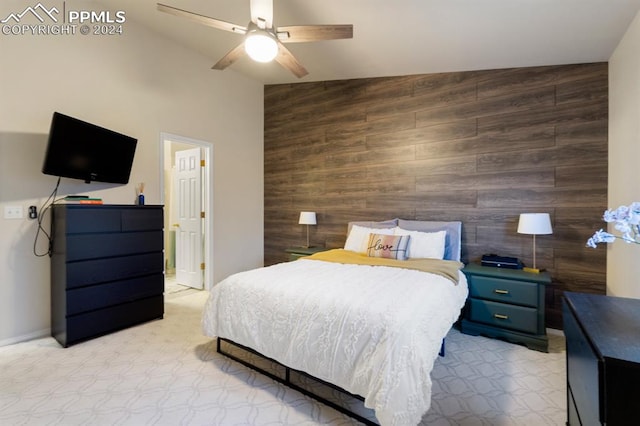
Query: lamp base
(532, 270)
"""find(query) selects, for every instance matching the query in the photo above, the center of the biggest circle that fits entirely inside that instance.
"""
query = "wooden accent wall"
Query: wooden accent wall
(479, 146)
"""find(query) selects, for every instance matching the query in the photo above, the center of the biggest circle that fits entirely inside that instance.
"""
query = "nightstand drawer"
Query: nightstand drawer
(505, 316)
(502, 290)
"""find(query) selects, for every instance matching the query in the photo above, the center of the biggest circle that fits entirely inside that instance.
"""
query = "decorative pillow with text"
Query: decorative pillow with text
(388, 246)
(358, 237)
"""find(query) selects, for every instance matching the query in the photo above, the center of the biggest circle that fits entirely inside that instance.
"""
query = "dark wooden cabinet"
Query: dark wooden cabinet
(603, 359)
(106, 269)
(506, 303)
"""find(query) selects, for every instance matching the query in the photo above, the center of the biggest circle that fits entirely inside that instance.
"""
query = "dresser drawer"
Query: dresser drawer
(504, 290)
(103, 321)
(85, 219)
(104, 295)
(95, 271)
(502, 315)
(94, 246)
(142, 219)
(91, 219)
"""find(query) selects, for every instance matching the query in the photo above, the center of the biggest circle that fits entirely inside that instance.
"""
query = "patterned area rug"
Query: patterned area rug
(166, 372)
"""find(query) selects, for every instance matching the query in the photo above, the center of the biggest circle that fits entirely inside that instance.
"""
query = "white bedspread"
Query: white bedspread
(375, 331)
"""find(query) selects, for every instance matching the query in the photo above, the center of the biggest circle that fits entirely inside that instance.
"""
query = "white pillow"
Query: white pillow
(358, 238)
(424, 244)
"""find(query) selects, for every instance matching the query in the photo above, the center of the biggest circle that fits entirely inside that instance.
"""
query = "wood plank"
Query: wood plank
(433, 199)
(422, 167)
(553, 116)
(587, 218)
(338, 132)
(490, 107)
(296, 125)
(386, 156)
(388, 88)
(540, 178)
(278, 143)
(515, 80)
(563, 155)
(472, 216)
(508, 80)
(443, 82)
(580, 281)
(319, 94)
(573, 176)
(439, 132)
(540, 198)
(590, 131)
(453, 95)
(515, 140)
(587, 90)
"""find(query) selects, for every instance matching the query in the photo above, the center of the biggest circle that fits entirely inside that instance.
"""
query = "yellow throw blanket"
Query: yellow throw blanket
(445, 268)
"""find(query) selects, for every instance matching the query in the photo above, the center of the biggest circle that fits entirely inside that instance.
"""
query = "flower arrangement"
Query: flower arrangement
(627, 222)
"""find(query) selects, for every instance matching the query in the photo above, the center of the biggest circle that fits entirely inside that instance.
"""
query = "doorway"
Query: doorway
(190, 258)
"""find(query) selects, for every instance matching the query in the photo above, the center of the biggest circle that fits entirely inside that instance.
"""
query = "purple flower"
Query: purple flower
(627, 222)
(600, 237)
(609, 216)
(634, 213)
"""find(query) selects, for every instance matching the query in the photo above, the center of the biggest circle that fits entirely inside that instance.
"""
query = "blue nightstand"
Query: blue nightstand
(508, 304)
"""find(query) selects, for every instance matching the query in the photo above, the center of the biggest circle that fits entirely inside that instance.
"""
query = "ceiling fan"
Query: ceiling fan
(263, 42)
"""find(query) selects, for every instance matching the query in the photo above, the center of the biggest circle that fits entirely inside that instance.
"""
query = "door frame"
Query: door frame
(207, 203)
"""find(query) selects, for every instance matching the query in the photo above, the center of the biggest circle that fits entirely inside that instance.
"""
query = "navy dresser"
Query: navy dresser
(603, 359)
(106, 269)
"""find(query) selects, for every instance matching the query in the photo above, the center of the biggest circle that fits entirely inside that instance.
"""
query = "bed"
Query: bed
(369, 318)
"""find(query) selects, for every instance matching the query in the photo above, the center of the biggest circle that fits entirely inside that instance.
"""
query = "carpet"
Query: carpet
(166, 372)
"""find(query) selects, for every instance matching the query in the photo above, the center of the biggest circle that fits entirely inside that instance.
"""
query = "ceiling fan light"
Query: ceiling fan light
(261, 47)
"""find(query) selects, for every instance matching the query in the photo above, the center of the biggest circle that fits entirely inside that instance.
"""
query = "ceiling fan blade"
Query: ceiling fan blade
(287, 60)
(304, 33)
(201, 19)
(262, 10)
(228, 59)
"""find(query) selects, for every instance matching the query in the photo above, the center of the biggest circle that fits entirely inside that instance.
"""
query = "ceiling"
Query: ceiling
(403, 37)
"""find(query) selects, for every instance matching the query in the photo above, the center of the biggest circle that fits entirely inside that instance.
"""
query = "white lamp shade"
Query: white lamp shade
(534, 224)
(307, 218)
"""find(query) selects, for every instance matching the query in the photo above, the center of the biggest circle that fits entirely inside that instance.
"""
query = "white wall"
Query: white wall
(139, 84)
(623, 260)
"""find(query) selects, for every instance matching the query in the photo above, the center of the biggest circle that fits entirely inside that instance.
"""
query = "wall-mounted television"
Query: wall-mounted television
(80, 150)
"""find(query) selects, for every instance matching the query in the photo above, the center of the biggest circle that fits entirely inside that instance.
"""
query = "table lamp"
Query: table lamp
(534, 224)
(307, 218)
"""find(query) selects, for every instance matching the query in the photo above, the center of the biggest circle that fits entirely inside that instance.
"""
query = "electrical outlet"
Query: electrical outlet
(13, 212)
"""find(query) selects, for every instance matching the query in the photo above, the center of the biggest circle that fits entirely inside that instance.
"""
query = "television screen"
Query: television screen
(80, 150)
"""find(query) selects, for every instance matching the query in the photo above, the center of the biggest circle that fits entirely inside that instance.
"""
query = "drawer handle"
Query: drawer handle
(500, 316)
(498, 291)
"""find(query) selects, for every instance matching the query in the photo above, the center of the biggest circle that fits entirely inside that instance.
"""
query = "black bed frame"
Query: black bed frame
(287, 379)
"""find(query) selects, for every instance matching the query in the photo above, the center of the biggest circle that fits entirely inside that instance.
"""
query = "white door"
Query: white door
(188, 199)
